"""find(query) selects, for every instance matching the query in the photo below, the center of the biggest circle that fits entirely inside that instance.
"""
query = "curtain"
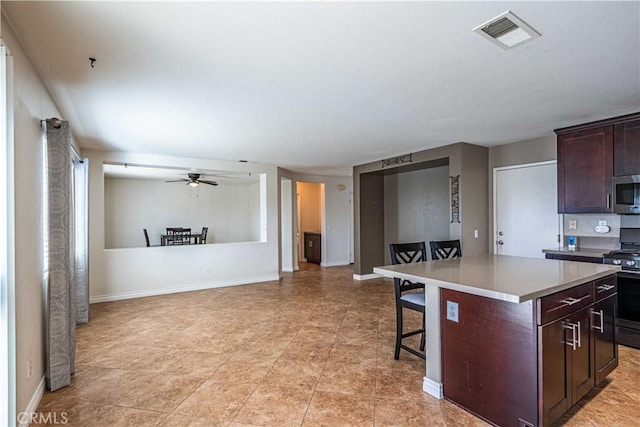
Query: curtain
(59, 259)
(81, 233)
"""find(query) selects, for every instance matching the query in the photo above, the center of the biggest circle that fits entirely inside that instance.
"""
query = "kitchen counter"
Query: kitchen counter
(586, 252)
(507, 278)
(514, 280)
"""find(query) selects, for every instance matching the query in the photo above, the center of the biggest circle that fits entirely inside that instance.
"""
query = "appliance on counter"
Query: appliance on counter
(626, 194)
(628, 257)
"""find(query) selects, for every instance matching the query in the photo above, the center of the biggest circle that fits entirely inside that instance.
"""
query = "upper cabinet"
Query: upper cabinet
(585, 169)
(626, 148)
(588, 157)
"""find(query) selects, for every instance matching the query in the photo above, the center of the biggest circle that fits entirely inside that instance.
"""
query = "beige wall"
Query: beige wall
(32, 103)
(310, 198)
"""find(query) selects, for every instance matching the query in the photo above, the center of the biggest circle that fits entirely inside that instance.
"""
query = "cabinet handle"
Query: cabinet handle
(579, 336)
(603, 288)
(574, 342)
(608, 201)
(601, 327)
(570, 301)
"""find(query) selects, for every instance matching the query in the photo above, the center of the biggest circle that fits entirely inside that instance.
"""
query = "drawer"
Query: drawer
(605, 287)
(562, 303)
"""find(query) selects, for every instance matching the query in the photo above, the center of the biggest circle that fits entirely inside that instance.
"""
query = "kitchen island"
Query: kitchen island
(515, 340)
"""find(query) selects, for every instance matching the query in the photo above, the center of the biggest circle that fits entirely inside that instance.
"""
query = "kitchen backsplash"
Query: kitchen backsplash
(585, 230)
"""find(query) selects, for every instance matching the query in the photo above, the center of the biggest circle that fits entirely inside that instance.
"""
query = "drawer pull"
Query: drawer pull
(604, 288)
(601, 327)
(570, 301)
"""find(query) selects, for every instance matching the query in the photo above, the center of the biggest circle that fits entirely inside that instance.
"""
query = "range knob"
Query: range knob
(616, 262)
(630, 263)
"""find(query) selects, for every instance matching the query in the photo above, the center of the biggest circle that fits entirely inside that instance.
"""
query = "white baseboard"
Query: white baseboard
(178, 289)
(288, 269)
(367, 276)
(334, 264)
(432, 387)
(23, 418)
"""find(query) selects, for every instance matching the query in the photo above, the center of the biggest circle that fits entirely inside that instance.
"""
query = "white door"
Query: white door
(525, 209)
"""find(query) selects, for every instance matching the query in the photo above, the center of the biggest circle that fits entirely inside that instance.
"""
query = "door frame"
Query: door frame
(495, 196)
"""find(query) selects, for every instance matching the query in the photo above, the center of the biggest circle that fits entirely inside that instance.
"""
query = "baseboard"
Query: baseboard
(334, 264)
(175, 290)
(432, 387)
(23, 418)
(288, 269)
(367, 276)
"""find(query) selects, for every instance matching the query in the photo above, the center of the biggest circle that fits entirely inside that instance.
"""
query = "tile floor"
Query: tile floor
(314, 349)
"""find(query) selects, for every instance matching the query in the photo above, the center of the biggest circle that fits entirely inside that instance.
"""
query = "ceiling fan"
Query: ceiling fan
(194, 180)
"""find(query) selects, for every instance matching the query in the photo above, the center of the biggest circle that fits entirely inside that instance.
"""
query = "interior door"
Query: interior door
(525, 209)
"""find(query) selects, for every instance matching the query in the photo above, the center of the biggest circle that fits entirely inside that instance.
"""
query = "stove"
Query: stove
(628, 258)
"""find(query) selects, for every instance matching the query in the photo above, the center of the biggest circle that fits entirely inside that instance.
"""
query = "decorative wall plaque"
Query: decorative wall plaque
(455, 199)
(393, 161)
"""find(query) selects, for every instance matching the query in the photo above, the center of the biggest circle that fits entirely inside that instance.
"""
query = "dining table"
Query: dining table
(170, 239)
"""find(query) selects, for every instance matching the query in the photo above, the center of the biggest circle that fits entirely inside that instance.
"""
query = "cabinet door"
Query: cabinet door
(553, 348)
(585, 169)
(581, 363)
(567, 368)
(626, 146)
(603, 315)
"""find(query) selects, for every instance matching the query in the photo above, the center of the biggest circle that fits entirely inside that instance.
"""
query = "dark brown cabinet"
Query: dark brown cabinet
(626, 148)
(526, 364)
(312, 247)
(589, 155)
(577, 350)
(585, 171)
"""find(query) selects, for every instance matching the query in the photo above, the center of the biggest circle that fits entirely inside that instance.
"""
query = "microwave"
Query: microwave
(626, 194)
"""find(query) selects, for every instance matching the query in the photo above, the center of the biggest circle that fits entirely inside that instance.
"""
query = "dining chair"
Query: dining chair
(445, 249)
(146, 237)
(203, 237)
(404, 253)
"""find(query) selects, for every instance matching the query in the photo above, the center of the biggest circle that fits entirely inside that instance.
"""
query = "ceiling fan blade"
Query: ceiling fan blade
(203, 181)
(179, 180)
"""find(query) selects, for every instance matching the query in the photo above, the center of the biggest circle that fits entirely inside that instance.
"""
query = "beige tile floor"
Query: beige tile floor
(314, 349)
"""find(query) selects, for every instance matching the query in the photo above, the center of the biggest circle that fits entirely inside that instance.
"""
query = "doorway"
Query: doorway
(525, 209)
(310, 220)
(286, 225)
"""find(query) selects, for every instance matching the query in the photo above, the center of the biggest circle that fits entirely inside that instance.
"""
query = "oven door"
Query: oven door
(629, 309)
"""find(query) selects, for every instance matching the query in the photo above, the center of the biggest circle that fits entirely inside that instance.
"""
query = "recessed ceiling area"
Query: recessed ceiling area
(318, 87)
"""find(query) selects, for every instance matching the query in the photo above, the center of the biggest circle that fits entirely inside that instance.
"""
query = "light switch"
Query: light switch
(452, 311)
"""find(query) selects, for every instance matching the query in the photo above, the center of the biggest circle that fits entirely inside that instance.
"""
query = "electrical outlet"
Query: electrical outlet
(207, 270)
(573, 224)
(452, 311)
(29, 368)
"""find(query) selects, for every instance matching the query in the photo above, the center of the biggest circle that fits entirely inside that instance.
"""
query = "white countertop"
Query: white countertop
(588, 252)
(507, 278)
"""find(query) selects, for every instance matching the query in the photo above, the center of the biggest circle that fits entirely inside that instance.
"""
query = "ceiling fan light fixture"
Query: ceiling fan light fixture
(507, 31)
(193, 184)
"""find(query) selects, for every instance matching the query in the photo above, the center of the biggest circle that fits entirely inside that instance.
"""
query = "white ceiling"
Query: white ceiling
(319, 87)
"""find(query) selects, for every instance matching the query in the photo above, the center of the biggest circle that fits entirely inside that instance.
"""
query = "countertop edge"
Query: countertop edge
(499, 295)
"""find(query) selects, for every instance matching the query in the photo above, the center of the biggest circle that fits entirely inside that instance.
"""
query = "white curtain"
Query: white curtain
(59, 254)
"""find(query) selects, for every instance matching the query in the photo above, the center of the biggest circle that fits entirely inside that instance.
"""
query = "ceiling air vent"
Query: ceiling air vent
(507, 31)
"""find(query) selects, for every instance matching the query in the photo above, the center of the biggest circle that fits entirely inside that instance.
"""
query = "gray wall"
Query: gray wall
(416, 206)
(468, 161)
